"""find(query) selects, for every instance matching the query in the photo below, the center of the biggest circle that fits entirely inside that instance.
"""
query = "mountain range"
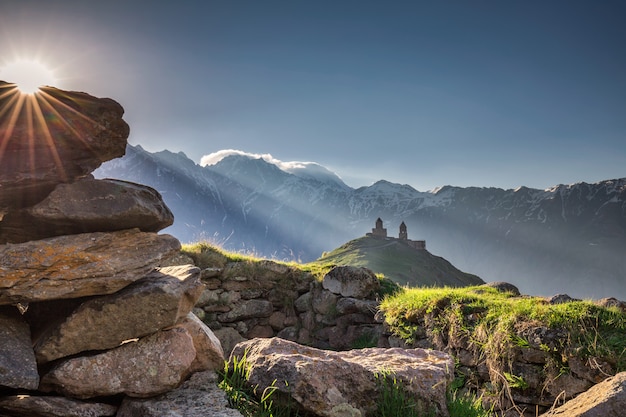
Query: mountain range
(565, 239)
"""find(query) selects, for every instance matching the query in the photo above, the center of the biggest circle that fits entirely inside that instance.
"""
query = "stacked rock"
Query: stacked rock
(89, 319)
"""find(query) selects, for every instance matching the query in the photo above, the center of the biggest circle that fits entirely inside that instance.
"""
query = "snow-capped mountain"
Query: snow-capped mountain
(569, 238)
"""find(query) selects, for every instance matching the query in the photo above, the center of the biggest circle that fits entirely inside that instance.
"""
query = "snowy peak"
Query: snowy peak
(305, 170)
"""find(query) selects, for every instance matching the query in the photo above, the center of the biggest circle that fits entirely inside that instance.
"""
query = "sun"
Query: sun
(28, 75)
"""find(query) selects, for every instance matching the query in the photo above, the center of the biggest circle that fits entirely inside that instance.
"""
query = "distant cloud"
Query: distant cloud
(215, 157)
(302, 169)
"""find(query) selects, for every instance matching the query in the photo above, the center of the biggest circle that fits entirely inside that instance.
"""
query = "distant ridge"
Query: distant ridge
(567, 238)
(400, 262)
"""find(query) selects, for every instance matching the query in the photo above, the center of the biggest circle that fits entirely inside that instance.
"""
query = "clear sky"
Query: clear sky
(426, 93)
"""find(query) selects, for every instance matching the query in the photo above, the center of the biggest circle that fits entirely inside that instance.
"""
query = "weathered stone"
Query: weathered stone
(18, 368)
(50, 406)
(246, 310)
(606, 399)
(79, 133)
(303, 303)
(228, 338)
(560, 299)
(503, 287)
(350, 281)
(153, 365)
(199, 396)
(209, 352)
(85, 206)
(321, 380)
(79, 265)
(592, 369)
(260, 330)
(277, 320)
(152, 303)
(567, 385)
(325, 302)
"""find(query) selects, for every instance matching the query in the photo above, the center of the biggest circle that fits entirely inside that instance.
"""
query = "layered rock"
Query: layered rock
(322, 381)
(88, 205)
(65, 137)
(81, 277)
(159, 300)
(79, 265)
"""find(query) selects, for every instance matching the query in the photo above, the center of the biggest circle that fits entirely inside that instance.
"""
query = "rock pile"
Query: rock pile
(88, 317)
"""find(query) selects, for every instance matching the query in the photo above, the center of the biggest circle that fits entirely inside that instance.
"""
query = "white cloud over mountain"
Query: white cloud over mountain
(298, 168)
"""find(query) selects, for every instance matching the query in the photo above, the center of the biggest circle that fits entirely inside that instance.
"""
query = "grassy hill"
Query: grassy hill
(400, 263)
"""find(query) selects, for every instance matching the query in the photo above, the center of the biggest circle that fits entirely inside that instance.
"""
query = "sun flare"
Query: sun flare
(28, 75)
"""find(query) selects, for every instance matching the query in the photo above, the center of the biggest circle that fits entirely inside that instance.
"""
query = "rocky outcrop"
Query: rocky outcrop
(66, 137)
(88, 205)
(322, 381)
(87, 312)
(606, 399)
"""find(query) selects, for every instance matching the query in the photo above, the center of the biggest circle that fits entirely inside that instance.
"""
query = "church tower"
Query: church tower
(403, 234)
(379, 231)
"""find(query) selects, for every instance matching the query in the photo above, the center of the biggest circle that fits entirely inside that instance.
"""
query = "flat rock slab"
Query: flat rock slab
(322, 381)
(197, 397)
(159, 300)
(66, 136)
(606, 399)
(79, 265)
(50, 406)
(86, 206)
(18, 368)
(150, 366)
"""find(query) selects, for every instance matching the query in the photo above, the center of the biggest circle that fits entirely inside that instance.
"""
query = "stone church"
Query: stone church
(380, 232)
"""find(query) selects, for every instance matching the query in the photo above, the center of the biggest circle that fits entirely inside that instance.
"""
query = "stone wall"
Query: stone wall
(340, 312)
(243, 301)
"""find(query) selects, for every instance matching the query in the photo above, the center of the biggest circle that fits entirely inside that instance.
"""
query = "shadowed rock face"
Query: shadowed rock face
(53, 137)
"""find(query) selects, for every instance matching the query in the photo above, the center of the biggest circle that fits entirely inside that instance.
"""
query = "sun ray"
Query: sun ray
(48, 137)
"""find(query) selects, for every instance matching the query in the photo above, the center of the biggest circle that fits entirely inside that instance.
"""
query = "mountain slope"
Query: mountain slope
(569, 238)
(399, 262)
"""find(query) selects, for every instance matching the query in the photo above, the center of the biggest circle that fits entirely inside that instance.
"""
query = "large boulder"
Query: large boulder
(53, 406)
(150, 366)
(79, 265)
(150, 304)
(351, 281)
(67, 136)
(322, 382)
(88, 205)
(199, 396)
(606, 399)
(18, 368)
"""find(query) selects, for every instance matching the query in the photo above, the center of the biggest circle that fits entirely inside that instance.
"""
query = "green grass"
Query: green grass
(492, 320)
(399, 262)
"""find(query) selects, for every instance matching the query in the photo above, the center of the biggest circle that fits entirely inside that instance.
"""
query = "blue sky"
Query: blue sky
(426, 93)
